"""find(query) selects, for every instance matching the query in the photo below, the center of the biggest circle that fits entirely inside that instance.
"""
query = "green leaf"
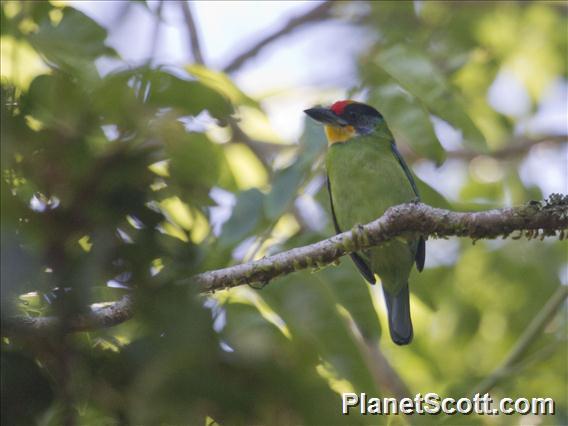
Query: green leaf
(312, 142)
(195, 161)
(56, 100)
(189, 97)
(284, 188)
(116, 102)
(292, 363)
(396, 20)
(287, 181)
(221, 82)
(39, 10)
(246, 217)
(21, 267)
(482, 192)
(75, 41)
(418, 75)
(354, 294)
(422, 283)
(406, 116)
(6, 25)
(309, 308)
(26, 392)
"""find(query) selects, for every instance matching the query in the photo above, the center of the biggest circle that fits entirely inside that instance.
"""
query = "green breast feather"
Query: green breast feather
(366, 177)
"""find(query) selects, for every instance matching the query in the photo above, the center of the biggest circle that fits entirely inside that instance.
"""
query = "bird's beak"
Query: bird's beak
(326, 116)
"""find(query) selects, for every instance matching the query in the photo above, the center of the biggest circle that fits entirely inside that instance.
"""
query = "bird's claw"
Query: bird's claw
(258, 286)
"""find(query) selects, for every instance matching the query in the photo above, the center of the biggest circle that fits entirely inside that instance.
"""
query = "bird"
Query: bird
(366, 174)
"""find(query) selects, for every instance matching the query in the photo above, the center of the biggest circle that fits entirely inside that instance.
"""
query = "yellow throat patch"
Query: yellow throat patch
(337, 134)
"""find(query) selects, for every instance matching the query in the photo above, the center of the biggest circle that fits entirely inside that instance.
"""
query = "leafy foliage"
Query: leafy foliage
(116, 183)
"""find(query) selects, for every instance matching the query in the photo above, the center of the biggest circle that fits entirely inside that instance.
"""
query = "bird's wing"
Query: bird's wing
(357, 259)
(407, 171)
(420, 256)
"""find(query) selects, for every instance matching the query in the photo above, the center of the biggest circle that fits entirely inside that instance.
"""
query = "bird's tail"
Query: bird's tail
(400, 324)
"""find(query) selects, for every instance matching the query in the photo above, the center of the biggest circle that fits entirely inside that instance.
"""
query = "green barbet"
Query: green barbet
(367, 175)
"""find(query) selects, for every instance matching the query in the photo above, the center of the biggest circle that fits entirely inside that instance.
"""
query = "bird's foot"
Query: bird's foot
(258, 286)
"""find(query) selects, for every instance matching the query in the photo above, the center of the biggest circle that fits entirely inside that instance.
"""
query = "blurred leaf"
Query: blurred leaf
(20, 271)
(26, 392)
(513, 34)
(482, 192)
(221, 83)
(44, 102)
(247, 215)
(115, 99)
(355, 295)
(286, 182)
(291, 363)
(383, 14)
(195, 161)
(284, 188)
(422, 283)
(313, 142)
(308, 307)
(406, 117)
(5, 24)
(39, 10)
(189, 97)
(418, 75)
(256, 124)
(20, 62)
(248, 170)
(74, 42)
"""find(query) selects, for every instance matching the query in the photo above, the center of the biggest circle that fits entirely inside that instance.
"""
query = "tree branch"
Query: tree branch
(194, 43)
(514, 148)
(535, 219)
(156, 35)
(318, 13)
(262, 150)
(530, 334)
(419, 219)
(101, 315)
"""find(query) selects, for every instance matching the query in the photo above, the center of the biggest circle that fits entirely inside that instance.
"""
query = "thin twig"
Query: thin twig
(194, 43)
(156, 36)
(513, 149)
(318, 13)
(531, 333)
